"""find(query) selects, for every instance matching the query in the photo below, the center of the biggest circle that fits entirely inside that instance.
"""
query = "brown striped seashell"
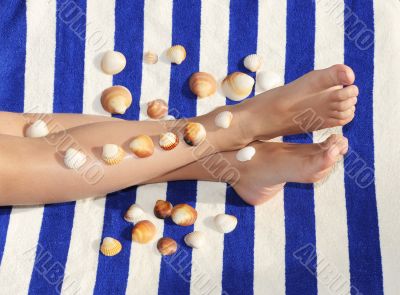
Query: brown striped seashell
(110, 246)
(168, 141)
(237, 86)
(142, 146)
(202, 84)
(184, 214)
(194, 133)
(150, 58)
(167, 246)
(143, 232)
(157, 109)
(176, 54)
(113, 62)
(162, 209)
(116, 99)
(112, 154)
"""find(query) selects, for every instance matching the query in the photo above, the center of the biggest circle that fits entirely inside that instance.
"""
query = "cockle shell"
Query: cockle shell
(157, 109)
(202, 84)
(176, 54)
(184, 214)
(116, 99)
(237, 86)
(113, 62)
(37, 129)
(253, 62)
(268, 80)
(150, 58)
(74, 159)
(162, 209)
(134, 214)
(194, 133)
(143, 232)
(225, 223)
(110, 246)
(245, 154)
(168, 141)
(167, 246)
(195, 239)
(112, 154)
(142, 146)
(223, 119)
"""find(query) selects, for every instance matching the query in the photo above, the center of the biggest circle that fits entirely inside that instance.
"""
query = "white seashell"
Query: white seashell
(134, 214)
(268, 80)
(37, 129)
(74, 159)
(113, 62)
(168, 118)
(225, 223)
(195, 239)
(150, 58)
(245, 154)
(112, 154)
(237, 86)
(253, 62)
(176, 54)
(223, 119)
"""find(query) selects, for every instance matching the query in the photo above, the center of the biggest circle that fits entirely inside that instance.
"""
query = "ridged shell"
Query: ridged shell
(143, 232)
(110, 246)
(168, 141)
(74, 159)
(142, 146)
(194, 133)
(202, 84)
(268, 80)
(237, 86)
(162, 209)
(184, 214)
(253, 62)
(176, 54)
(113, 62)
(225, 223)
(134, 214)
(150, 58)
(37, 129)
(223, 119)
(157, 109)
(245, 154)
(112, 154)
(195, 239)
(116, 99)
(167, 246)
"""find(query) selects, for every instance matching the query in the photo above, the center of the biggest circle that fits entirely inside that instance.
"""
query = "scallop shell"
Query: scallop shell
(74, 159)
(237, 86)
(143, 232)
(113, 62)
(194, 133)
(150, 58)
(157, 109)
(162, 209)
(176, 54)
(167, 246)
(37, 129)
(202, 84)
(110, 246)
(268, 80)
(225, 223)
(245, 154)
(112, 154)
(142, 146)
(195, 239)
(253, 62)
(184, 214)
(134, 214)
(223, 119)
(168, 141)
(116, 99)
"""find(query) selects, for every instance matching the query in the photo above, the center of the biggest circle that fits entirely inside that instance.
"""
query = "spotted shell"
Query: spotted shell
(168, 141)
(143, 232)
(223, 119)
(195, 239)
(74, 159)
(112, 154)
(142, 146)
(150, 58)
(167, 246)
(134, 214)
(184, 214)
(268, 80)
(162, 209)
(202, 84)
(116, 99)
(253, 62)
(157, 109)
(225, 223)
(194, 133)
(113, 62)
(37, 129)
(110, 246)
(237, 86)
(176, 54)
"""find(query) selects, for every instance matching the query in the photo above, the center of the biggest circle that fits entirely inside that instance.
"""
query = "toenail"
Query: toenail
(343, 76)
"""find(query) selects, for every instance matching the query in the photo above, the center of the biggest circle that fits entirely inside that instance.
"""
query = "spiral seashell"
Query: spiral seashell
(134, 214)
(237, 86)
(176, 54)
(74, 159)
(37, 129)
(195, 239)
(167, 246)
(113, 62)
(112, 154)
(143, 232)
(202, 84)
(168, 141)
(253, 62)
(223, 119)
(225, 223)
(162, 209)
(268, 80)
(150, 58)
(157, 109)
(110, 246)
(194, 133)
(116, 99)
(245, 154)
(142, 146)
(184, 214)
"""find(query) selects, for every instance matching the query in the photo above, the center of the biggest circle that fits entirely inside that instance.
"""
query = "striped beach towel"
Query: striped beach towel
(339, 237)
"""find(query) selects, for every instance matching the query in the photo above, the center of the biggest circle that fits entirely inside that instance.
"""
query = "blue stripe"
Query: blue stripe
(238, 256)
(4, 221)
(362, 220)
(112, 273)
(299, 198)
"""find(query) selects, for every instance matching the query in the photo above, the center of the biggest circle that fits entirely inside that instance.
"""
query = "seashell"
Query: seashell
(162, 209)
(134, 214)
(37, 129)
(194, 133)
(268, 80)
(112, 154)
(184, 214)
(168, 118)
(143, 232)
(168, 141)
(225, 223)
(245, 154)
(195, 239)
(142, 146)
(237, 86)
(202, 84)
(176, 54)
(110, 246)
(116, 99)
(74, 159)
(157, 109)
(113, 62)
(150, 58)
(167, 246)
(253, 62)
(223, 119)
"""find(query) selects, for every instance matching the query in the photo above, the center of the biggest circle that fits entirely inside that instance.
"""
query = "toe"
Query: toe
(344, 105)
(345, 93)
(343, 115)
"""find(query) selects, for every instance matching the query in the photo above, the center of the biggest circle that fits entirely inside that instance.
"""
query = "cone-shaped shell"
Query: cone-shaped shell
(112, 154)
(225, 223)
(202, 84)
(116, 99)
(268, 80)
(37, 129)
(142, 146)
(113, 62)
(194, 133)
(167, 246)
(184, 214)
(176, 54)
(237, 86)
(74, 159)
(195, 239)
(134, 214)
(157, 109)
(168, 141)
(253, 62)
(110, 246)
(245, 154)
(162, 209)
(150, 58)
(223, 119)
(143, 232)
